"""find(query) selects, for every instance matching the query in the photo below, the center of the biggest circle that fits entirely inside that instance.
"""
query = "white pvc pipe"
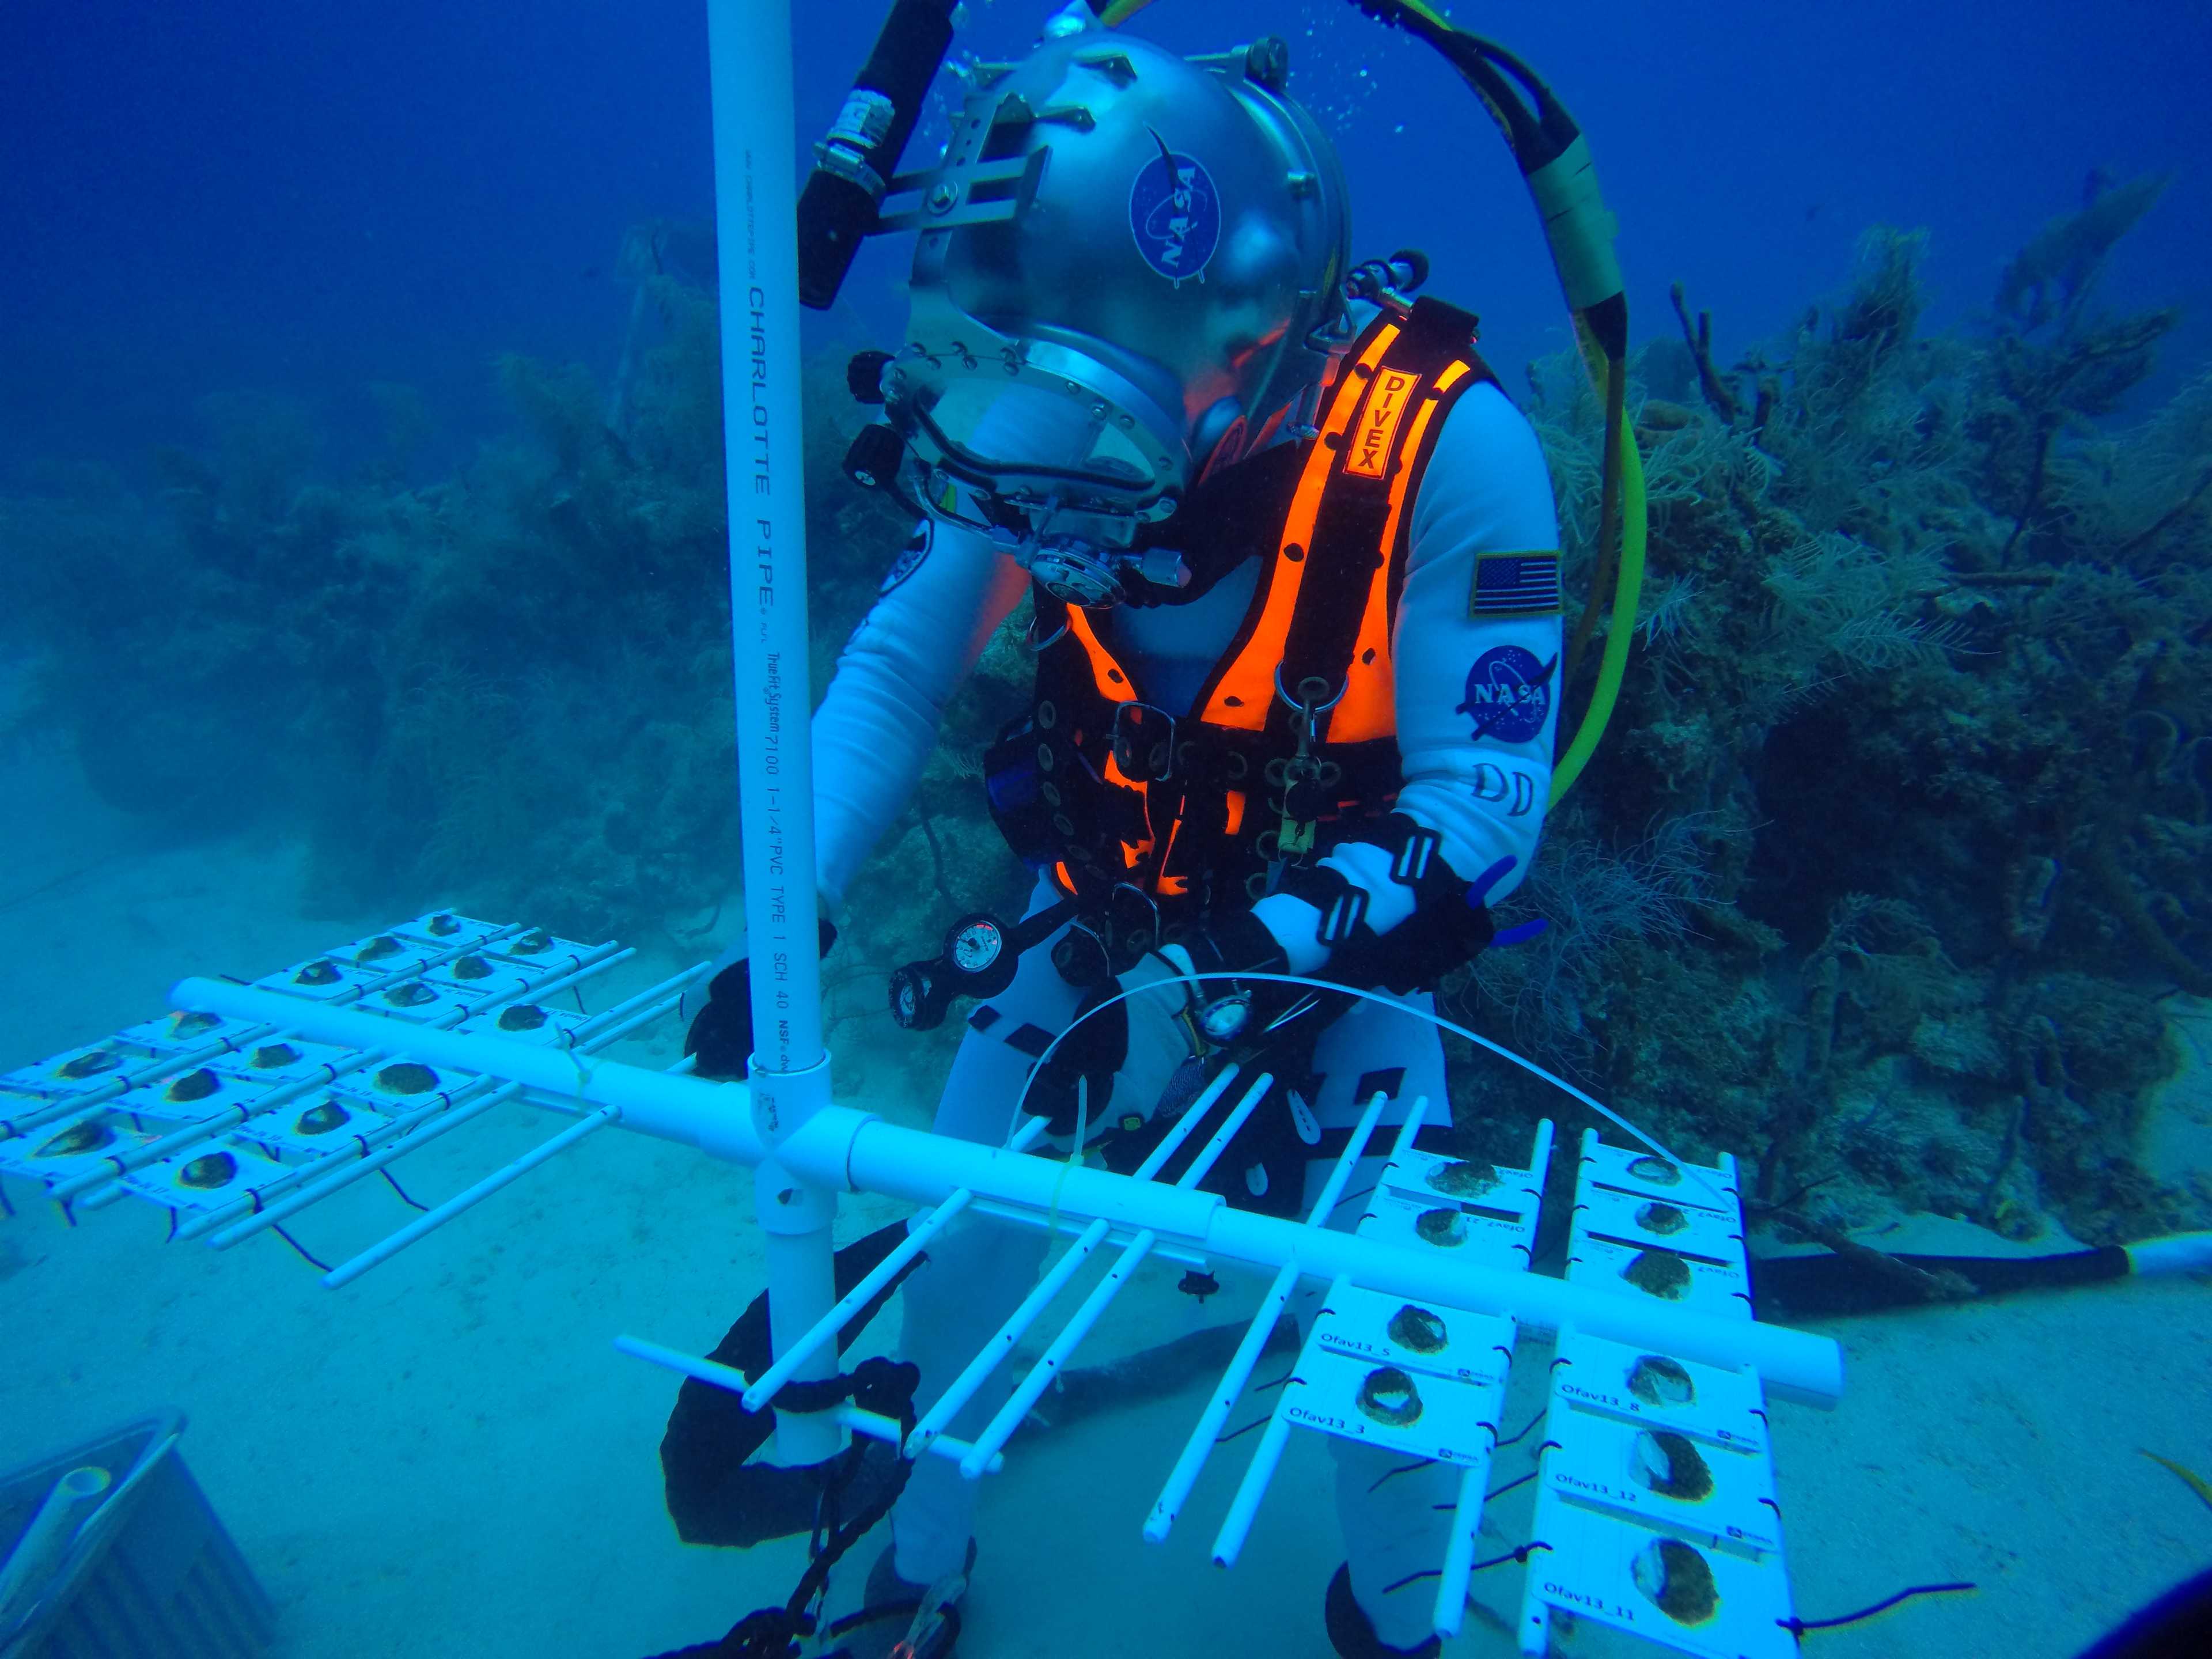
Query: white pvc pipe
(763, 1388)
(1200, 1446)
(1341, 1176)
(755, 217)
(711, 1116)
(993, 1352)
(30, 1566)
(1093, 1307)
(428, 1222)
(1074, 1227)
(1459, 1552)
(1236, 1525)
(756, 230)
(351, 1170)
(874, 1425)
(1040, 1375)
(589, 1040)
(849, 1149)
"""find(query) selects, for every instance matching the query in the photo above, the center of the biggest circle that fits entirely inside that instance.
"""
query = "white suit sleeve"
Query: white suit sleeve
(879, 720)
(1476, 692)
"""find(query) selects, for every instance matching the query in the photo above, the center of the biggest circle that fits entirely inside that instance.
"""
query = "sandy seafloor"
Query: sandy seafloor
(449, 1457)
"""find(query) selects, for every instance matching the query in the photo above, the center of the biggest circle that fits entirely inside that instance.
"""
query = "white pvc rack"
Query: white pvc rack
(252, 1101)
(1654, 1510)
(233, 1124)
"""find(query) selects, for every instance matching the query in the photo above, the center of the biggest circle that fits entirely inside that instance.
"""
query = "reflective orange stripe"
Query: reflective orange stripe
(1065, 882)
(1113, 683)
(1235, 812)
(1168, 883)
(1241, 697)
(1369, 708)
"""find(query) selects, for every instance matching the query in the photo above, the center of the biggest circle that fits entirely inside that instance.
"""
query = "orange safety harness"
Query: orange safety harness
(1291, 744)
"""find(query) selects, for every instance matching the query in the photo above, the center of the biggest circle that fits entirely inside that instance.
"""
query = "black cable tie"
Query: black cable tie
(319, 1266)
(1501, 1491)
(1403, 1468)
(404, 1198)
(1799, 1626)
(1531, 1423)
(1414, 1578)
(1519, 1555)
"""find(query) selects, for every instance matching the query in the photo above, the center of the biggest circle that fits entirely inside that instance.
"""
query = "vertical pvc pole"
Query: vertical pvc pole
(755, 207)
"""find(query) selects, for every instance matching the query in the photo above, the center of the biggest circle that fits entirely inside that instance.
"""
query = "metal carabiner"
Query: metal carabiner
(1308, 709)
(1031, 643)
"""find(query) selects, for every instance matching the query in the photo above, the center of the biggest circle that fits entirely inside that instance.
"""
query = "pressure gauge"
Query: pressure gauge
(975, 945)
(978, 956)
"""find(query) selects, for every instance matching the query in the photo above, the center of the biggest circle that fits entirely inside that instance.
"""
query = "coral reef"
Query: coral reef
(1926, 667)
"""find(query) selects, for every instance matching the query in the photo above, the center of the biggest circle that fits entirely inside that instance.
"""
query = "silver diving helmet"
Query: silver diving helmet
(1125, 258)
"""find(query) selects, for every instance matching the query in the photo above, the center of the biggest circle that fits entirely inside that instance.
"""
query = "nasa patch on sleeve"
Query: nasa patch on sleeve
(910, 556)
(1509, 693)
(1174, 215)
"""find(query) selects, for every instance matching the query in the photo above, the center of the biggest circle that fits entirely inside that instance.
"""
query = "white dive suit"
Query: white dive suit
(1480, 781)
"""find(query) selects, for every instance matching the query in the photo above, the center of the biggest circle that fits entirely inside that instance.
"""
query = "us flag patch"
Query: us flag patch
(1515, 585)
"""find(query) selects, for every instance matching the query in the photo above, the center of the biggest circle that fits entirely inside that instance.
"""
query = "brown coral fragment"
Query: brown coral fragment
(1677, 1580)
(1659, 1273)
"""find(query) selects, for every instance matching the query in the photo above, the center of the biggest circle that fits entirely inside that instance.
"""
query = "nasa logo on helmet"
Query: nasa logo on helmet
(1174, 215)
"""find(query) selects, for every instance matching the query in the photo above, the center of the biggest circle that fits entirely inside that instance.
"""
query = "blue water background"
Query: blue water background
(305, 199)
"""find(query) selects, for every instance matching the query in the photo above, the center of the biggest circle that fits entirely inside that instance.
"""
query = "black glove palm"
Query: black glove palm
(722, 1034)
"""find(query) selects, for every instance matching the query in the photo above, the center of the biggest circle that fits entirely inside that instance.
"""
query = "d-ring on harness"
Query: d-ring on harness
(1302, 778)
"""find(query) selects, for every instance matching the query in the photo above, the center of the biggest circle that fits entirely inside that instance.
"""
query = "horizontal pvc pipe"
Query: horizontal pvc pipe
(385, 1248)
(874, 1424)
(844, 1148)
(1074, 1227)
(712, 1116)
(1797, 1364)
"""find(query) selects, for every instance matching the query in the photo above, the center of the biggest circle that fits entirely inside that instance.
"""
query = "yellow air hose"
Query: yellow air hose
(1625, 483)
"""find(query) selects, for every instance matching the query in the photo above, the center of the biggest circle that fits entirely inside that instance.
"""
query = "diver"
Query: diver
(1294, 573)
